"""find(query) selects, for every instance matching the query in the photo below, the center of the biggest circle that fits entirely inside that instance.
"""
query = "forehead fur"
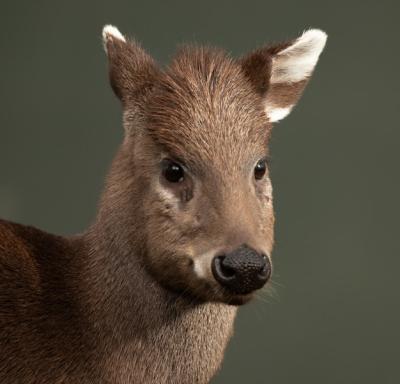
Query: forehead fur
(204, 107)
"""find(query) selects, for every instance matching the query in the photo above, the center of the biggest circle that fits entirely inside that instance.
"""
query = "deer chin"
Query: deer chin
(226, 297)
(206, 293)
(237, 299)
(240, 299)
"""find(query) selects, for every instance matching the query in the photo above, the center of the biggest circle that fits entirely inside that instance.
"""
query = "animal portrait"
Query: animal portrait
(199, 192)
(184, 232)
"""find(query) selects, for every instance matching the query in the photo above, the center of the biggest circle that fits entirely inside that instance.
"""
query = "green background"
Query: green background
(334, 317)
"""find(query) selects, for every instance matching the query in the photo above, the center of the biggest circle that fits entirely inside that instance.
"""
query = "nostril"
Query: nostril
(265, 270)
(221, 271)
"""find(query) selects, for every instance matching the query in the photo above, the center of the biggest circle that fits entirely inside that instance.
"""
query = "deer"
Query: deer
(184, 231)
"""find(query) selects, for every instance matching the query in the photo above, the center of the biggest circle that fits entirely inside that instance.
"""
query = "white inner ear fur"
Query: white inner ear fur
(111, 32)
(296, 62)
(275, 113)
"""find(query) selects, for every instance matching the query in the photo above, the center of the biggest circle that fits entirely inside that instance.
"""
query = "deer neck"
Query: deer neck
(144, 328)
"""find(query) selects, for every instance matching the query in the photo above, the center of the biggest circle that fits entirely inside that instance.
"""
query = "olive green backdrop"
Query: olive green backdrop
(335, 316)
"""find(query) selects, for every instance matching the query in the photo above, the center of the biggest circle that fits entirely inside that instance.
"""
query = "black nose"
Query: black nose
(242, 271)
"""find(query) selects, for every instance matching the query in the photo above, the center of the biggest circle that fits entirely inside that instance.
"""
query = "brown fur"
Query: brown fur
(121, 303)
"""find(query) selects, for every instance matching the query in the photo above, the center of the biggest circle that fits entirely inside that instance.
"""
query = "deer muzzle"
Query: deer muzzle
(241, 271)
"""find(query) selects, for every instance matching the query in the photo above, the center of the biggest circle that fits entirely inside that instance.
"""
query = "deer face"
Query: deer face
(198, 133)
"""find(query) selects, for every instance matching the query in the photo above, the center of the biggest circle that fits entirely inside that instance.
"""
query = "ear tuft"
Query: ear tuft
(275, 113)
(297, 61)
(280, 72)
(109, 33)
(132, 71)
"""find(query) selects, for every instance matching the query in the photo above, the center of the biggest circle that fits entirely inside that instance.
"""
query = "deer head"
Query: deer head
(192, 181)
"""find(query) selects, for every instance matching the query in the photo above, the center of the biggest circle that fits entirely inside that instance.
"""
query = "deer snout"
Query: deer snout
(242, 270)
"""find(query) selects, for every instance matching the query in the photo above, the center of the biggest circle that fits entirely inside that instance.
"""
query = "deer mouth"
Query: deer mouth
(240, 299)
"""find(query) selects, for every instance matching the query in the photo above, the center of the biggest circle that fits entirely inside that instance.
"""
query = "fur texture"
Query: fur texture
(133, 299)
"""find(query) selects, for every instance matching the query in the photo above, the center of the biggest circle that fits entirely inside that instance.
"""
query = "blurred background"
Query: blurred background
(335, 315)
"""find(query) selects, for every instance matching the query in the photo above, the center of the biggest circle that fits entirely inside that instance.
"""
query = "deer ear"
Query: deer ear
(132, 71)
(281, 72)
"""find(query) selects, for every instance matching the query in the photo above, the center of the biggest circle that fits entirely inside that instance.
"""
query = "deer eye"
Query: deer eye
(260, 169)
(172, 171)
